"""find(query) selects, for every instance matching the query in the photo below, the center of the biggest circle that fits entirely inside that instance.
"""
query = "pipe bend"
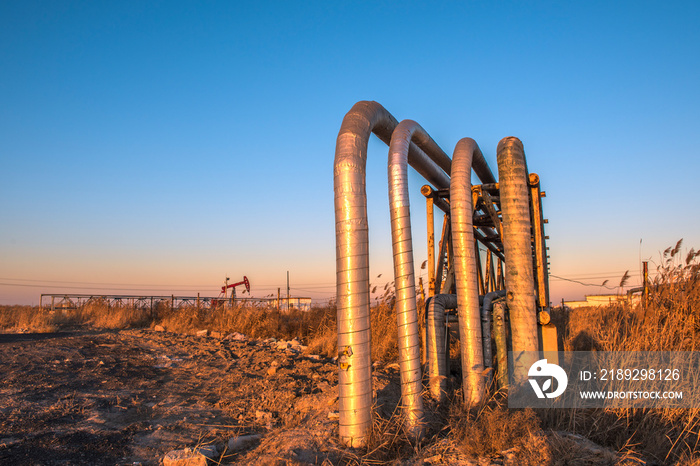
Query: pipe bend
(406, 133)
(486, 332)
(404, 277)
(412, 131)
(352, 265)
(487, 303)
(479, 164)
(471, 345)
(352, 256)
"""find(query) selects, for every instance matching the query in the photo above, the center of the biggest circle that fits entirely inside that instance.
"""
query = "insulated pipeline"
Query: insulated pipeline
(436, 343)
(517, 244)
(404, 275)
(352, 258)
(461, 208)
(486, 312)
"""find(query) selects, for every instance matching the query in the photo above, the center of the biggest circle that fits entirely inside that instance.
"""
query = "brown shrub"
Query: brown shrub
(98, 313)
(29, 318)
(492, 429)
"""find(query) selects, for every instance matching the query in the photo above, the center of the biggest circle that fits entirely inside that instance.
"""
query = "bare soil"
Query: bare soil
(130, 396)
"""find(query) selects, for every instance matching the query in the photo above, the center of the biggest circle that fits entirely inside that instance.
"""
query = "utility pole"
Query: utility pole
(226, 291)
(288, 308)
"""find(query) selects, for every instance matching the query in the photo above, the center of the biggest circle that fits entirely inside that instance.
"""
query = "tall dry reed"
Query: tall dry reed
(668, 321)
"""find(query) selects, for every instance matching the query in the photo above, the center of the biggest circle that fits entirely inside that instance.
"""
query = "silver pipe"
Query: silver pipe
(436, 343)
(471, 346)
(486, 311)
(404, 276)
(519, 281)
(352, 258)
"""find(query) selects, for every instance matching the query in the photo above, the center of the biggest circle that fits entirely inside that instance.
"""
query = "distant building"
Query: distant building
(301, 304)
(604, 300)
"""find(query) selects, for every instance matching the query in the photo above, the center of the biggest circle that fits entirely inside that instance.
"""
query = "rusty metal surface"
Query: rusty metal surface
(430, 220)
(541, 272)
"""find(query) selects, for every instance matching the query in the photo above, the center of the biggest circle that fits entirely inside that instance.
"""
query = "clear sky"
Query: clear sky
(156, 147)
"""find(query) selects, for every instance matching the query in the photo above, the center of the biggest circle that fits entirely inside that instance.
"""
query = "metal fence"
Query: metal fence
(65, 302)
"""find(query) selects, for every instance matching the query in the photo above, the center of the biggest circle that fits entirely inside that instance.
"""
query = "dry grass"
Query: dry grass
(670, 321)
(491, 429)
(98, 314)
(27, 318)
(317, 327)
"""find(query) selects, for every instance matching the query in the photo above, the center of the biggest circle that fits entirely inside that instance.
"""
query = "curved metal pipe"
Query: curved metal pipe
(436, 343)
(519, 281)
(480, 167)
(404, 276)
(471, 347)
(352, 258)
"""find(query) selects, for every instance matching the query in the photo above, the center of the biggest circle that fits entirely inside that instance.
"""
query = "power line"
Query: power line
(100, 283)
(160, 288)
(192, 286)
(598, 275)
(584, 284)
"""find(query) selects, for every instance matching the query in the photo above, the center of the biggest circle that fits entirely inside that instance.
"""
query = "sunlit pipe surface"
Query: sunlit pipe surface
(352, 259)
(519, 281)
(436, 343)
(404, 276)
(473, 382)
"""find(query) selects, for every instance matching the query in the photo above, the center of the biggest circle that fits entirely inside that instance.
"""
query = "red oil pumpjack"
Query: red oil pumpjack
(224, 291)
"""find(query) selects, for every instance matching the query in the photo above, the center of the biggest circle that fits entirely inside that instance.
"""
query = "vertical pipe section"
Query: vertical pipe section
(499, 331)
(436, 343)
(352, 259)
(404, 274)
(486, 313)
(352, 267)
(519, 281)
(465, 155)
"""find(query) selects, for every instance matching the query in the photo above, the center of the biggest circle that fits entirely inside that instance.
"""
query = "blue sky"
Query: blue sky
(158, 146)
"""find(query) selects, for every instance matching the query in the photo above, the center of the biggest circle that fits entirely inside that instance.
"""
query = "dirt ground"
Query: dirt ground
(129, 397)
(125, 397)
